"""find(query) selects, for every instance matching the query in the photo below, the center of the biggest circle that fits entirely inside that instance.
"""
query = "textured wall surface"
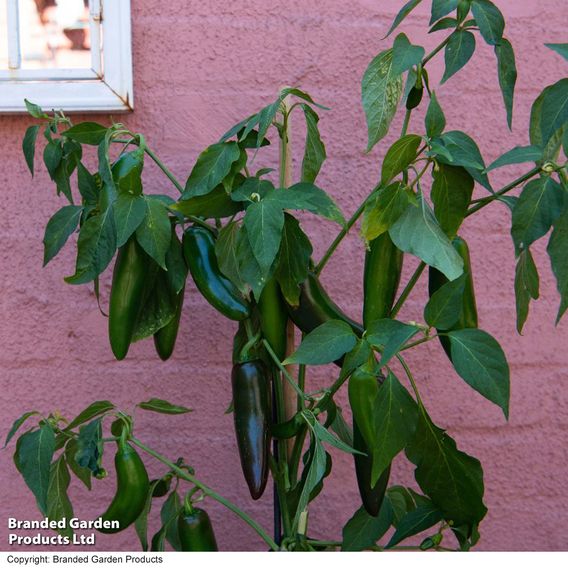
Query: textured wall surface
(200, 66)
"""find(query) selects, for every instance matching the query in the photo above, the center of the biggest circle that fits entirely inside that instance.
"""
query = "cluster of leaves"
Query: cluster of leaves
(54, 449)
(259, 239)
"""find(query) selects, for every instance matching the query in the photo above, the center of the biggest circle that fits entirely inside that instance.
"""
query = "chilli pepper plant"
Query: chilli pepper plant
(234, 230)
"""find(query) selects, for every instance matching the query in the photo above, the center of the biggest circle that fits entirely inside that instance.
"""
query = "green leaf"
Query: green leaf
(58, 229)
(293, 260)
(58, 504)
(550, 147)
(324, 436)
(560, 48)
(316, 472)
(90, 446)
(507, 72)
(451, 478)
(264, 221)
(127, 172)
(480, 362)
(308, 197)
(414, 522)
(326, 343)
(82, 473)
(28, 146)
(234, 177)
(95, 247)
(168, 515)
(155, 231)
(356, 357)
(489, 20)
(381, 92)
(399, 156)
(314, 152)
(383, 210)
(35, 110)
(554, 112)
(452, 189)
(405, 55)
(541, 202)
(163, 406)
(526, 286)
(401, 501)
(435, 120)
(215, 205)
(390, 336)
(444, 24)
(175, 264)
(458, 52)
(404, 11)
(129, 212)
(418, 232)
(90, 133)
(94, 409)
(252, 189)
(17, 424)
(395, 414)
(557, 247)
(363, 530)
(227, 255)
(212, 165)
(517, 155)
(255, 276)
(444, 308)
(34, 451)
(441, 8)
(52, 155)
(141, 523)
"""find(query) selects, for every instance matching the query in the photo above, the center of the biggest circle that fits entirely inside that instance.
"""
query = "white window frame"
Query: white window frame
(105, 87)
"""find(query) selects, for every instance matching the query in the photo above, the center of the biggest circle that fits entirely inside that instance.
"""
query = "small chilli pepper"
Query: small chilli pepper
(414, 97)
(316, 307)
(252, 410)
(129, 281)
(383, 266)
(132, 486)
(196, 531)
(219, 291)
(165, 338)
(468, 316)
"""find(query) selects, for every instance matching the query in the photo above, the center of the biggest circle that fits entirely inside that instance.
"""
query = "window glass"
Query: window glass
(3, 35)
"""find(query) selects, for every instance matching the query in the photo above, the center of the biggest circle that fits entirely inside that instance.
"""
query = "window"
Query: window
(73, 55)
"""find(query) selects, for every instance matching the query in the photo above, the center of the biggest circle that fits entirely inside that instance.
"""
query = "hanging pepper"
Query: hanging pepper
(165, 338)
(273, 318)
(196, 531)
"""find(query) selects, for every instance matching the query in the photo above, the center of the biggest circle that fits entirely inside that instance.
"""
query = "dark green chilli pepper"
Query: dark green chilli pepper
(414, 97)
(273, 318)
(219, 291)
(252, 410)
(371, 497)
(132, 486)
(468, 317)
(129, 281)
(383, 267)
(165, 338)
(196, 531)
(316, 307)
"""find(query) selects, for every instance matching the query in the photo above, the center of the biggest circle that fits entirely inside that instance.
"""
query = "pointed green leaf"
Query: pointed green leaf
(325, 344)
(314, 153)
(34, 452)
(441, 8)
(399, 156)
(452, 189)
(82, 473)
(405, 55)
(87, 133)
(90, 446)
(168, 515)
(418, 232)
(557, 247)
(58, 504)
(155, 231)
(325, 436)
(444, 24)
(163, 406)
(444, 308)
(129, 212)
(414, 522)
(35, 110)
(480, 362)
(17, 424)
(363, 531)
(383, 210)
(381, 92)
(227, 254)
(404, 11)
(127, 172)
(526, 286)
(94, 409)
(451, 478)
(507, 72)
(458, 52)
(212, 165)
(435, 119)
(215, 205)
(554, 112)
(560, 48)
(58, 230)
(489, 20)
(28, 146)
(389, 336)
(517, 155)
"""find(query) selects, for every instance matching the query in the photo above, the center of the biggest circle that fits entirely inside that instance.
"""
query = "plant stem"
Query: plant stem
(418, 342)
(209, 492)
(286, 374)
(343, 232)
(435, 51)
(408, 288)
(297, 453)
(163, 167)
(411, 379)
(487, 200)
(406, 122)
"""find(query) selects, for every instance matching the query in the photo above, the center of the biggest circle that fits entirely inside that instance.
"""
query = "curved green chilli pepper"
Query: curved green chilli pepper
(273, 318)
(129, 281)
(414, 97)
(219, 291)
(383, 267)
(165, 338)
(362, 389)
(252, 410)
(132, 488)
(196, 531)
(468, 317)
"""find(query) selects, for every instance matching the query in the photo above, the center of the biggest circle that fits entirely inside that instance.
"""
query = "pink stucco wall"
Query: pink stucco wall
(199, 67)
